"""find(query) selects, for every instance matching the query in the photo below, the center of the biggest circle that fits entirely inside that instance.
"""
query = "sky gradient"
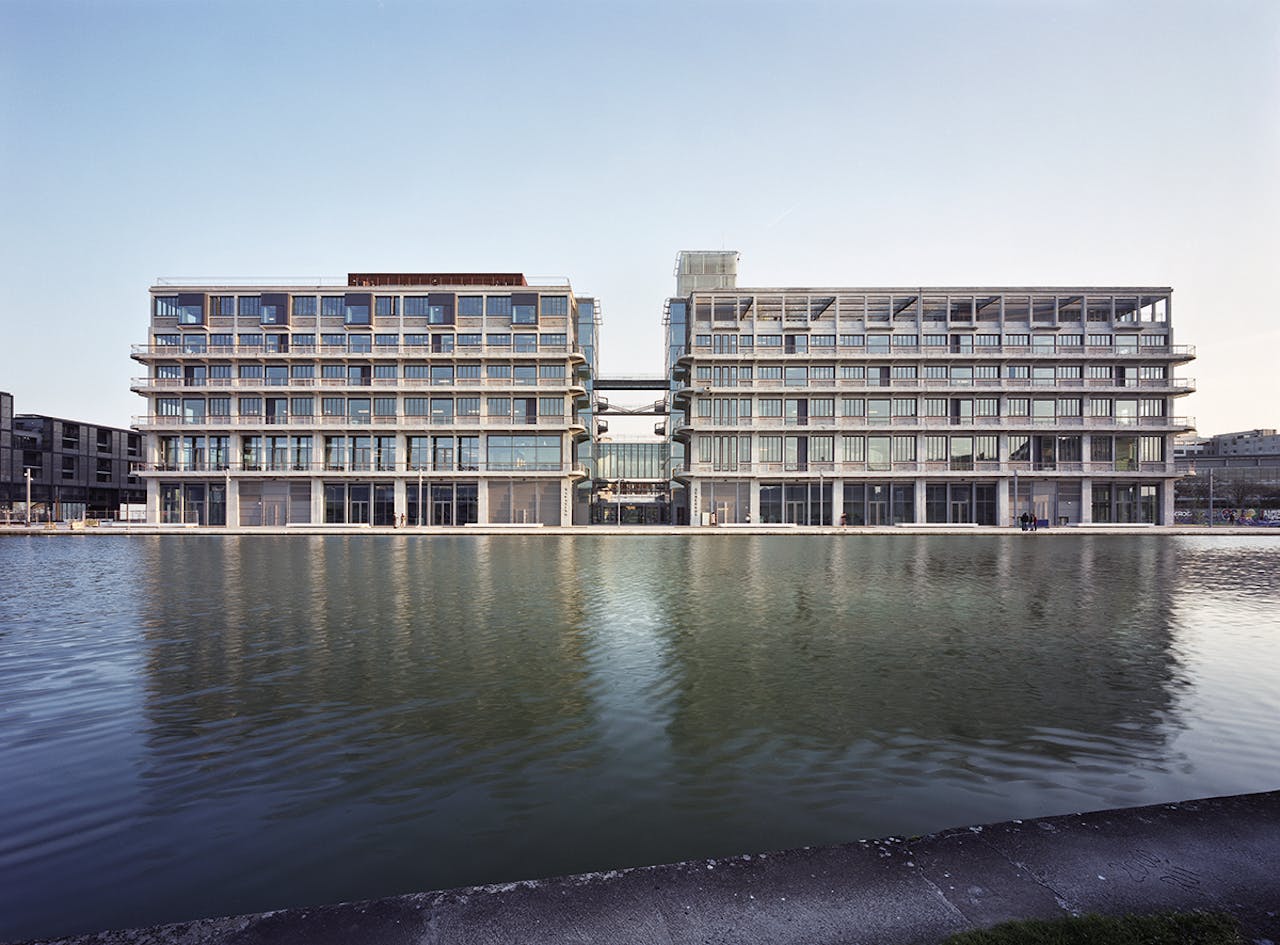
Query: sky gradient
(925, 142)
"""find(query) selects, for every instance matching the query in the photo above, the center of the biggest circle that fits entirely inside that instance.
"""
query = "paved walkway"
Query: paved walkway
(353, 530)
(1218, 854)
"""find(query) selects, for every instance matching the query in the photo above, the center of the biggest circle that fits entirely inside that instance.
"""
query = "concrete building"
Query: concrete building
(78, 470)
(1243, 449)
(387, 399)
(920, 405)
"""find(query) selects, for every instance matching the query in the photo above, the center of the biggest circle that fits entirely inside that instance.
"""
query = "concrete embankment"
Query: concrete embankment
(1220, 854)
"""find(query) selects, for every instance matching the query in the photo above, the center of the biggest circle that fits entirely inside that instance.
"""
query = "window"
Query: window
(416, 407)
(555, 305)
(355, 310)
(299, 406)
(553, 371)
(822, 372)
(768, 341)
(498, 305)
(471, 305)
(854, 372)
(797, 376)
(524, 342)
(222, 305)
(415, 306)
(384, 406)
(250, 406)
(853, 341)
(304, 305)
(904, 406)
(387, 305)
(855, 449)
(904, 372)
(500, 371)
(906, 341)
(550, 406)
(770, 449)
(1019, 407)
(821, 407)
(498, 341)
(904, 449)
(331, 305)
(822, 449)
(553, 341)
(468, 406)
(523, 452)
(498, 407)
(852, 407)
(250, 306)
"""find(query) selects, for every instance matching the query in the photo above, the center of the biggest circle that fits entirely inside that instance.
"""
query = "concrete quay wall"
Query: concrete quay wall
(1220, 854)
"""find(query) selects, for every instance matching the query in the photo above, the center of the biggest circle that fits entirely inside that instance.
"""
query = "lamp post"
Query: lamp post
(27, 473)
(1211, 497)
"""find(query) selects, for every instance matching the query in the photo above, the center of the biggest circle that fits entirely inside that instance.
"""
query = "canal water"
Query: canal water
(199, 725)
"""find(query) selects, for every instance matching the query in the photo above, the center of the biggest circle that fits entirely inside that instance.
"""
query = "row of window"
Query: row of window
(883, 375)
(254, 342)
(730, 452)
(799, 409)
(196, 375)
(298, 453)
(356, 308)
(800, 343)
(361, 409)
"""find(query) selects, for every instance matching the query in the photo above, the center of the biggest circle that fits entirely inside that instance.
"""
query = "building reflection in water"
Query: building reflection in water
(434, 711)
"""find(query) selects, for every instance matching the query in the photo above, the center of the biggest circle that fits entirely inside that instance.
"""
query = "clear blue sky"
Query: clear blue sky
(936, 142)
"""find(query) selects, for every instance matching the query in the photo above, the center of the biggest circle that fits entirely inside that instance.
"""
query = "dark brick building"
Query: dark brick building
(77, 469)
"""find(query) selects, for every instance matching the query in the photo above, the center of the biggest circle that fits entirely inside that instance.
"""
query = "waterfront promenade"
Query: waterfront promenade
(1219, 854)
(753, 529)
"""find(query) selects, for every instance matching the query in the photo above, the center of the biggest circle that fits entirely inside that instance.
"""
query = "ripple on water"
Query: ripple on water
(224, 725)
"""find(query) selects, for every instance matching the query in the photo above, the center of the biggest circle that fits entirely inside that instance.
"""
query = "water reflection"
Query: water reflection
(279, 721)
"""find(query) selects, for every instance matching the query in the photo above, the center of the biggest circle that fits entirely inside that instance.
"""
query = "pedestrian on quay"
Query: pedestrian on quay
(1023, 519)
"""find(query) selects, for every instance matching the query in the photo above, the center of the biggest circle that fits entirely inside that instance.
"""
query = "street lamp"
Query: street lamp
(27, 473)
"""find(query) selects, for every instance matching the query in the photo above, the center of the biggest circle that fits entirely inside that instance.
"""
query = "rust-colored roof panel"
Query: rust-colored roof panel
(435, 278)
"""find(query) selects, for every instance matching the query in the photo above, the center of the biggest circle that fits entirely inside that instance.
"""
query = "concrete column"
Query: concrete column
(1004, 513)
(920, 496)
(400, 500)
(1166, 502)
(566, 502)
(1086, 500)
(317, 501)
(233, 503)
(153, 501)
(753, 501)
(694, 488)
(837, 500)
(482, 503)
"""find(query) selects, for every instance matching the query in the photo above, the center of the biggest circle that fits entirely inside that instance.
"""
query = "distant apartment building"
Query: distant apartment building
(870, 406)
(1242, 449)
(78, 469)
(404, 398)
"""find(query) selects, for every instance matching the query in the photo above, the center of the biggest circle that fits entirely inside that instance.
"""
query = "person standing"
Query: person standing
(1023, 519)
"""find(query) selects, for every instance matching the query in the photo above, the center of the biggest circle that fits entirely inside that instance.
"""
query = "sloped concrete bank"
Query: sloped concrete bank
(1214, 854)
